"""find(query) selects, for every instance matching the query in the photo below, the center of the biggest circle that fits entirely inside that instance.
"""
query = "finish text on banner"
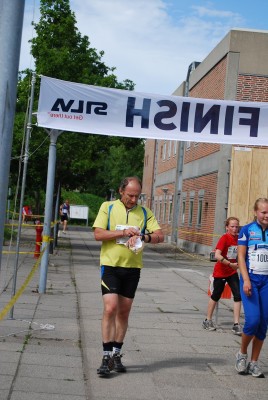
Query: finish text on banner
(77, 107)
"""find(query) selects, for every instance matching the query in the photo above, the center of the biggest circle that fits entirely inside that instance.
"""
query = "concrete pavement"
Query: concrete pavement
(52, 346)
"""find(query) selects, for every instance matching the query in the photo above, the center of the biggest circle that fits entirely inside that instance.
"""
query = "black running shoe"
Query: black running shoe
(118, 366)
(107, 365)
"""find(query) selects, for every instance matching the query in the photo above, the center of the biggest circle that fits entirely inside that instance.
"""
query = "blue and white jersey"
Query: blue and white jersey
(65, 208)
(256, 240)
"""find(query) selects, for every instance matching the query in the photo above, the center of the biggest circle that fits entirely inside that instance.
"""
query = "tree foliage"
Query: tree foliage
(89, 163)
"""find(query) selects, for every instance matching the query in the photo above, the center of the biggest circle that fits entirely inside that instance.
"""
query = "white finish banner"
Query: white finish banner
(77, 107)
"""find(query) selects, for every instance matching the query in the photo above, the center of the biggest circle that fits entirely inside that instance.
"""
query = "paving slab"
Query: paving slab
(52, 347)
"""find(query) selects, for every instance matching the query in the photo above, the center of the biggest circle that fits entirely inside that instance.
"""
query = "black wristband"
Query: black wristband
(150, 237)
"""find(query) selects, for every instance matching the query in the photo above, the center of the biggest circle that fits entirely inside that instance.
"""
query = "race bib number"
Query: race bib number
(232, 253)
(259, 259)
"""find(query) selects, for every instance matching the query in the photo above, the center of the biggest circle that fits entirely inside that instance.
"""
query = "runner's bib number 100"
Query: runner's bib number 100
(232, 253)
(259, 259)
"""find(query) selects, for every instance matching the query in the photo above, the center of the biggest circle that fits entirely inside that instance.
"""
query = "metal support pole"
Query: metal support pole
(48, 209)
(8, 205)
(11, 20)
(56, 213)
(112, 194)
(177, 192)
(23, 185)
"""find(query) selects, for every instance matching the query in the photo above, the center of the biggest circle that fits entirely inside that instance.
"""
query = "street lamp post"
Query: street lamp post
(112, 194)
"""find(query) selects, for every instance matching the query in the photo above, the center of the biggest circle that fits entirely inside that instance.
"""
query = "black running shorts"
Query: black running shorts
(219, 284)
(119, 280)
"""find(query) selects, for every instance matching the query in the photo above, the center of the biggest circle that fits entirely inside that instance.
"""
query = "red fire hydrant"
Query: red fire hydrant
(38, 240)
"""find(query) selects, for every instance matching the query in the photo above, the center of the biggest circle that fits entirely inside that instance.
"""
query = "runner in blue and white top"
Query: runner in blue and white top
(64, 214)
(253, 265)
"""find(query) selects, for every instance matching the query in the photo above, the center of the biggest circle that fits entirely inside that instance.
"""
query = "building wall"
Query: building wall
(236, 69)
(193, 232)
(231, 71)
(203, 170)
(252, 88)
(164, 187)
(212, 85)
(196, 150)
(167, 156)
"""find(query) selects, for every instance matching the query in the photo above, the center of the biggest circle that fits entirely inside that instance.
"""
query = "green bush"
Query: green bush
(80, 199)
(84, 199)
(8, 233)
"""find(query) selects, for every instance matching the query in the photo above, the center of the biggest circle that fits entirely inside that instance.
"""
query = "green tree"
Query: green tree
(60, 51)
(84, 162)
(124, 158)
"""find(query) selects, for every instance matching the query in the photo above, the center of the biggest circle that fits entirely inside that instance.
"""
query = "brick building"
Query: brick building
(193, 187)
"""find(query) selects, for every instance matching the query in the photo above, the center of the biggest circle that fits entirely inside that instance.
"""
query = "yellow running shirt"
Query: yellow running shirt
(114, 213)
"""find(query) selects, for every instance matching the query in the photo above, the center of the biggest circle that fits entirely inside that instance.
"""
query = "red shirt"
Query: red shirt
(228, 246)
(25, 210)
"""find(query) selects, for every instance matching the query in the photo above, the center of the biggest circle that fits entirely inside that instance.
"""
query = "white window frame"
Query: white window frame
(175, 145)
(165, 211)
(155, 207)
(191, 212)
(164, 151)
(170, 209)
(199, 212)
(159, 210)
(191, 208)
(169, 149)
(201, 194)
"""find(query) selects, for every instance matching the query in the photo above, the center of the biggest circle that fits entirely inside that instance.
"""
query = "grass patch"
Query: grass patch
(84, 199)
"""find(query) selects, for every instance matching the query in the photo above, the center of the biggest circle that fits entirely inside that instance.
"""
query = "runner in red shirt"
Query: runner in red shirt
(225, 270)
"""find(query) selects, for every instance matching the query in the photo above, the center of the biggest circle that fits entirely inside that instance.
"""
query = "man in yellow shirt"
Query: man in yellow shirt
(122, 226)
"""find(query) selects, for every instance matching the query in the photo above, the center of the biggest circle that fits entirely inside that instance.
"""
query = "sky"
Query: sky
(152, 42)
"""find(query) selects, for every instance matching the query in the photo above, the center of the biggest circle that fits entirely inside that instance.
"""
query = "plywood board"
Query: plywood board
(248, 181)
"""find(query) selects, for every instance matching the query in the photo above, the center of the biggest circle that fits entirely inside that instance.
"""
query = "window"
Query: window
(201, 194)
(164, 151)
(199, 212)
(183, 212)
(175, 144)
(191, 211)
(170, 209)
(159, 210)
(183, 207)
(169, 149)
(165, 211)
(191, 207)
(155, 208)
